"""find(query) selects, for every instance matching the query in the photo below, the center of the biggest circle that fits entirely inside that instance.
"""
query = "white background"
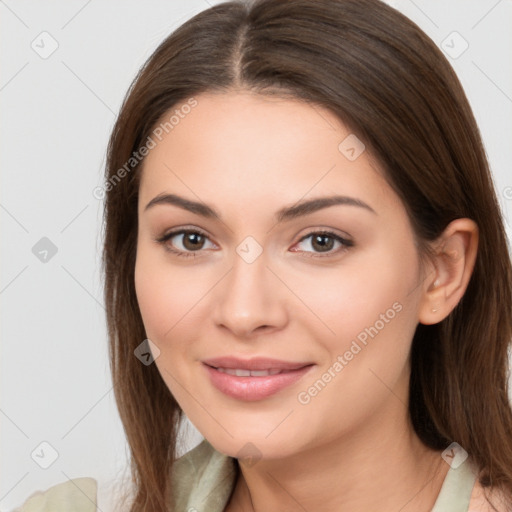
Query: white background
(57, 115)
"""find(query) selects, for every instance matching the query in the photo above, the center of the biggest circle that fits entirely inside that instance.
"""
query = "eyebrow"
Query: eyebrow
(285, 214)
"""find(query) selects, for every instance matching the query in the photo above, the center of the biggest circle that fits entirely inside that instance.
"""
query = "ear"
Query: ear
(455, 256)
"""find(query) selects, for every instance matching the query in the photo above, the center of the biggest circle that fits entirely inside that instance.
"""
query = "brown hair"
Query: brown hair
(385, 79)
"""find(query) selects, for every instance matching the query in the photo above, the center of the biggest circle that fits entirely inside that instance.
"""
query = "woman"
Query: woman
(305, 255)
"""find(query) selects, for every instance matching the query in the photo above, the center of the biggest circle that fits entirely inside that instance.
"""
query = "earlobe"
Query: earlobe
(454, 261)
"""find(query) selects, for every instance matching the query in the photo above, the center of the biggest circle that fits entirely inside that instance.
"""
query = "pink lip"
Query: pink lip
(254, 388)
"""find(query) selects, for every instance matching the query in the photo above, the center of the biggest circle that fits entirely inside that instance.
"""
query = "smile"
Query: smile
(248, 373)
(254, 379)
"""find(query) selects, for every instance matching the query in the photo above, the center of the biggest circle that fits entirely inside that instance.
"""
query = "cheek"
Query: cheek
(151, 298)
(373, 316)
(160, 295)
(170, 299)
(164, 299)
(369, 316)
(353, 297)
(382, 317)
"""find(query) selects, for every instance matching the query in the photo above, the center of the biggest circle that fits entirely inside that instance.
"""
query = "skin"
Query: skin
(352, 446)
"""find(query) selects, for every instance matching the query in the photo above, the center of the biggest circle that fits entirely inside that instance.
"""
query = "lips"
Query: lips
(253, 379)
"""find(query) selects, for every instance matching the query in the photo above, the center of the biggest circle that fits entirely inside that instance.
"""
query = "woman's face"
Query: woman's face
(266, 268)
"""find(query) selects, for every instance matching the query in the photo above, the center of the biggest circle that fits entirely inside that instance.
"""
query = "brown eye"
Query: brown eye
(193, 241)
(319, 242)
(322, 243)
(185, 242)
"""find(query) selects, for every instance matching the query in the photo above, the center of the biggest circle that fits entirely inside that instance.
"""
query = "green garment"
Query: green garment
(204, 480)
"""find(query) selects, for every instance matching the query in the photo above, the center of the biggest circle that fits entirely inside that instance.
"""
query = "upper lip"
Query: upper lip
(256, 363)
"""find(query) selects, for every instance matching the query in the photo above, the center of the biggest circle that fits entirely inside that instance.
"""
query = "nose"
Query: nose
(250, 300)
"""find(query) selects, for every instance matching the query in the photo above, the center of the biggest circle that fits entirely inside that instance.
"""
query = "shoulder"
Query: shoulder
(488, 500)
(76, 495)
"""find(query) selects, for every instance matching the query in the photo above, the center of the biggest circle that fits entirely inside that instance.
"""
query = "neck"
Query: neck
(380, 465)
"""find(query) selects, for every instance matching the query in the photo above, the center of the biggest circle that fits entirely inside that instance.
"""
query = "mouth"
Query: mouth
(239, 372)
(253, 379)
(255, 364)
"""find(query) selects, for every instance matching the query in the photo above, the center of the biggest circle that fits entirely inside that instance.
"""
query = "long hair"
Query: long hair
(386, 80)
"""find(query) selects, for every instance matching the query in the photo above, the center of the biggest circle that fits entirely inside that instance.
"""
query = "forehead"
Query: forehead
(249, 150)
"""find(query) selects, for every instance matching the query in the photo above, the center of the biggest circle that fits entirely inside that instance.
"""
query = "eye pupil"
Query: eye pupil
(323, 242)
(195, 240)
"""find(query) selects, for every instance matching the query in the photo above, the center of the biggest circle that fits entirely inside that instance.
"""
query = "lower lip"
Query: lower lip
(251, 389)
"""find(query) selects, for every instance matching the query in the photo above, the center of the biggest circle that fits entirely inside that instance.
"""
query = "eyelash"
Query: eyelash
(346, 244)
